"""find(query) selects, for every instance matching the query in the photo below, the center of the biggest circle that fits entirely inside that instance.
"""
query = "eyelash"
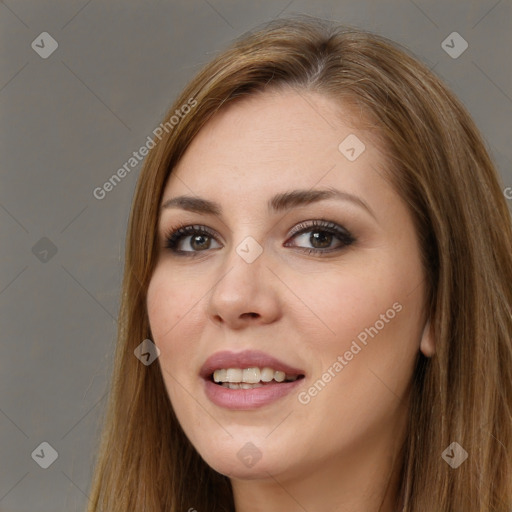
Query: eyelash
(176, 233)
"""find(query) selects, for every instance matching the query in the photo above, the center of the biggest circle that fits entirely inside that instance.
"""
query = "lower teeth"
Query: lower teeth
(241, 385)
(244, 385)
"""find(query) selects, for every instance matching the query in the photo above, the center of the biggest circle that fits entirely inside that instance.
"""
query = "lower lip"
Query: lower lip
(246, 399)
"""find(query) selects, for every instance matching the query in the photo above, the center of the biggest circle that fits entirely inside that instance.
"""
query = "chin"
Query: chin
(244, 460)
(233, 468)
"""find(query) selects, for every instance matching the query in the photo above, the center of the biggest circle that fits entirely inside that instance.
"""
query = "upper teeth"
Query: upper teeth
(250, 375)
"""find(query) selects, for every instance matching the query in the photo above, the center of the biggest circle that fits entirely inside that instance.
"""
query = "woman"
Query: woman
(319, 253)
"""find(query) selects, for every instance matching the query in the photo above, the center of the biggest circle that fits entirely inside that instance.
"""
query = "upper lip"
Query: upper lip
(245, 359)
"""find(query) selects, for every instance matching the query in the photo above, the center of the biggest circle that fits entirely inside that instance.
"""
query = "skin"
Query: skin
(335, 453)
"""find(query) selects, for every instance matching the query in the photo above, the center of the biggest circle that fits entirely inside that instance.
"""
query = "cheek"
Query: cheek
(340, 304)
(172, 307)
(174, 316)
(372, 319)
(170, 300)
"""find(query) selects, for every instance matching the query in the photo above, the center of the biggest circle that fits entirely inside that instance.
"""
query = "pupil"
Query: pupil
(322, 237)
(200, 240)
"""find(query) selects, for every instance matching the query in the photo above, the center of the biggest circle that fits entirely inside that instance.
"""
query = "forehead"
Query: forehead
(273, 141)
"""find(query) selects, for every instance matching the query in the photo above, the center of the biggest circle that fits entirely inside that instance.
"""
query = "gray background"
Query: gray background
(71, 120)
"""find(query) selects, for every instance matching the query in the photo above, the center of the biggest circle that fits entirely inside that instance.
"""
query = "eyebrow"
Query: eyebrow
(280, 202)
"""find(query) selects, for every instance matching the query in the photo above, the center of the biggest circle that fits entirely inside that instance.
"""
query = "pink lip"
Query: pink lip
(244, 399)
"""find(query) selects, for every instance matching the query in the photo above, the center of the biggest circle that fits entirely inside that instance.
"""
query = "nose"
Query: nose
(245, 293)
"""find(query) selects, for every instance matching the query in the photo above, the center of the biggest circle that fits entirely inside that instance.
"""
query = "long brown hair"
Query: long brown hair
(441, 168)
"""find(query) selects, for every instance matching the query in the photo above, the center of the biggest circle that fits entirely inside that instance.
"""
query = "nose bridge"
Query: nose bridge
(243, 287)
(245, 253)
(242, 269)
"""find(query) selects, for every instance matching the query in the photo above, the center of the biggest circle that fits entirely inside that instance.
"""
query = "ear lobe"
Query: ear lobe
(427, 343)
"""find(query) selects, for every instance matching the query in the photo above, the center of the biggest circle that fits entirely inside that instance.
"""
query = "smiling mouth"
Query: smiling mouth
(251, 378)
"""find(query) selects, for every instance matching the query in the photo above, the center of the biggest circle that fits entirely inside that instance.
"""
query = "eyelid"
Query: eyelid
(319, 223)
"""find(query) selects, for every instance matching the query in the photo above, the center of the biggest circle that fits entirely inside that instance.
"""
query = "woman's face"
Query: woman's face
(324, 291)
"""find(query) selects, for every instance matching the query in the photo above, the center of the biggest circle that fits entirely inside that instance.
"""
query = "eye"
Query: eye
(321, 235)
(187, 240)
